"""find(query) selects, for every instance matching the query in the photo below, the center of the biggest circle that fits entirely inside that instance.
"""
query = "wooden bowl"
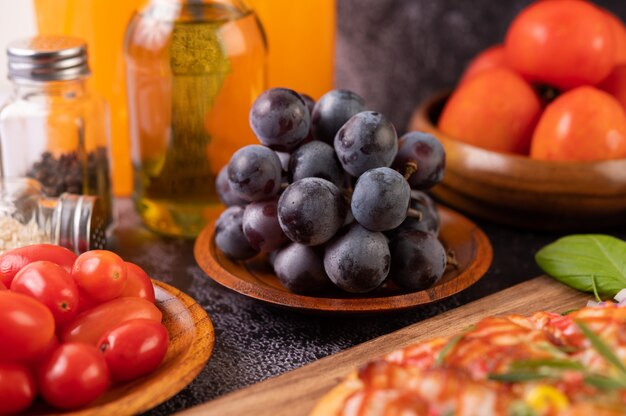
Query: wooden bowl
(255, 278)
(191, 344)
(521, 191)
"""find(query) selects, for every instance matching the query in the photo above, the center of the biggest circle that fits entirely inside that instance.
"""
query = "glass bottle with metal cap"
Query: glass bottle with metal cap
(28, 216)
(53, 129)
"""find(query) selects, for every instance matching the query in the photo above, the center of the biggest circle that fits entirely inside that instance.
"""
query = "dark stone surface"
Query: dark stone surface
(395, 53)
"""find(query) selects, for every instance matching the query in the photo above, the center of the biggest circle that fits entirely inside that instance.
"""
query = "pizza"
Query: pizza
(544, 364)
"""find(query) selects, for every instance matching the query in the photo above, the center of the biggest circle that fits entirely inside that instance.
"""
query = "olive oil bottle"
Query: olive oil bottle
(194, 67)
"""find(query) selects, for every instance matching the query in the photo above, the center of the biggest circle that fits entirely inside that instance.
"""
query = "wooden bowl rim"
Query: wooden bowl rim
(195, 358)
(204, 249)
(422, 113)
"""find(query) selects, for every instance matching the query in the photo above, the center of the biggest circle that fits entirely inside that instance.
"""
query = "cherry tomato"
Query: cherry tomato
(26, 326)
(582, 124)
(35, 362)
(101, 274)
(493, 57)
(85, 302)
(134, 348)
(138, 283)
(73, 375)
(2, 286)
(51, 285)
(17, 388)
(89, 326)
(564, 43)
(496, 109)
(12, 261)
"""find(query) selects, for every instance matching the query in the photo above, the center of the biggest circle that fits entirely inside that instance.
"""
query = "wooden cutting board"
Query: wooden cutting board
(295, 393)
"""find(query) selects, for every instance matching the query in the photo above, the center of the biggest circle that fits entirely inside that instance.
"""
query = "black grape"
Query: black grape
(430, 221)
(310, 102)
(254, 173)
(427, 153)
(316, 159)
(332, 111)
(368, 140)
(224, 192)
(229, 237)
(284, 160)
(261, 227)
(300, 269)
(357, 261)
(418, 260)
(280, 118)
(380, 200)
(311, 211)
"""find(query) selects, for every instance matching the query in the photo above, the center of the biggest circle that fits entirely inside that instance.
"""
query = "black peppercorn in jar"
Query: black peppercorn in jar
(54, 129)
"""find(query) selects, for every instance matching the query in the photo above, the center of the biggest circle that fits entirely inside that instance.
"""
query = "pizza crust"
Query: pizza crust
(331, 404)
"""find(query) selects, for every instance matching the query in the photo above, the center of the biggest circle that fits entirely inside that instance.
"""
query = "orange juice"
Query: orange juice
(102, 24)
(301, 39)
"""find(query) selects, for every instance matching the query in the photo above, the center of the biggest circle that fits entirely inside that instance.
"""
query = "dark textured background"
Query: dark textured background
(394, 53)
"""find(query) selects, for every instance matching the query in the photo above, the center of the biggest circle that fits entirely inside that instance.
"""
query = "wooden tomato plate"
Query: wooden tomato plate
(255, 278)
(191, 344)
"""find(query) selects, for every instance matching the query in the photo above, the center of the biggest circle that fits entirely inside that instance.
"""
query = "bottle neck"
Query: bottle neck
(65, 90)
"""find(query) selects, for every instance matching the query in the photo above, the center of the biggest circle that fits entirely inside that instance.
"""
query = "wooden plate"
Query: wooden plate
(191, 344)
(524, 192)
(255, 278)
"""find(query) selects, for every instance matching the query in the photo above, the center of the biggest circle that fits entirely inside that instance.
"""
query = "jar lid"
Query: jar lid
(47, 58)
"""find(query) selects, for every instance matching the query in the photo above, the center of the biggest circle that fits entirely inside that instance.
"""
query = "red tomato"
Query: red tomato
(615, 84)
(582, 124)
(101, 274)
(17, 388)
(619, 37)
(495, 110)
(73, 375)
(35, 362)
(134, 348)
(26, 326)
(51, 285)
(564, 43)
(85, 302)
(493, 57)
(138, 283)
(2, 286)
(89, 326)
(12, 261)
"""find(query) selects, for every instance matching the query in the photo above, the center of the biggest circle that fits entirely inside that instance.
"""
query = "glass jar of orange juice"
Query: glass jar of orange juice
(194, 68)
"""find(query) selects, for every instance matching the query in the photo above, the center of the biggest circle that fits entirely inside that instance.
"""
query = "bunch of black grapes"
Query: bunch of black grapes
(333, 196)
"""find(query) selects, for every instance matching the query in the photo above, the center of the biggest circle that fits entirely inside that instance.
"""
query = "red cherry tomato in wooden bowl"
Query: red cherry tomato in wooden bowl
(12, 261)
(101, 274)
(564, 43)
(138, 283)
(73, 375)
(134, 348)
(26, 327)
(51, 285)
(17, 388)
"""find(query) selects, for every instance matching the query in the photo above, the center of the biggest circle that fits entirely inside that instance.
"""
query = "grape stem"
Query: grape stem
(414, 213)
(409, 169)
(451, 259)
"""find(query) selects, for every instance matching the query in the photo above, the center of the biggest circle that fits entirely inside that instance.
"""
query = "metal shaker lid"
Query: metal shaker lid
(81, 222)
(47, 58)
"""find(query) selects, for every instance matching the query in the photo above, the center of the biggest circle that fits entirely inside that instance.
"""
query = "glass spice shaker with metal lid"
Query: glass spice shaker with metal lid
(28, 216)
(53, 129)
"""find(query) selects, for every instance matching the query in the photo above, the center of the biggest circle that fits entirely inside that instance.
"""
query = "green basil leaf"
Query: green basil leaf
(600, 346)
(603, 382)
(517, 376)
(548, 362)
(575, 260)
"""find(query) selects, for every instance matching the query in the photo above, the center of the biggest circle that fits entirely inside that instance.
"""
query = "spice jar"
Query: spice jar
(28, 216)
(53, 129)
(194, 68)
